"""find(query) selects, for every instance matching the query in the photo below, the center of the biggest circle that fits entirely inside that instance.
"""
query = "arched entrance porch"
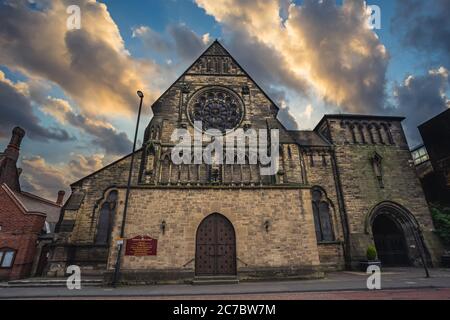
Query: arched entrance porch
(396, 235)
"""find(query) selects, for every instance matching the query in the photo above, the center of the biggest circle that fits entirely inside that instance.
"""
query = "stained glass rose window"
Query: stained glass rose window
(216, 108)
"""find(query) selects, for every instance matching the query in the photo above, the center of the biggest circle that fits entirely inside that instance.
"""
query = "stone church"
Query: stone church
(339, 188)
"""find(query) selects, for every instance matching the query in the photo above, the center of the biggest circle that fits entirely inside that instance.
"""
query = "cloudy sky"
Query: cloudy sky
(74, 91)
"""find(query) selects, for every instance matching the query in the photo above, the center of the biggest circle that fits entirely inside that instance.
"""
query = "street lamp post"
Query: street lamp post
(422, 252)
(418, 238)
(130, 173)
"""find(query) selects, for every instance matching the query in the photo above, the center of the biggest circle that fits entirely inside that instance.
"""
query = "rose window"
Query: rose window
(216, 108)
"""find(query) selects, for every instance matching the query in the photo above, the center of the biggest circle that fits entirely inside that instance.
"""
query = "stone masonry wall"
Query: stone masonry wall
(94, 188)
(361, 190)
(289, 243)
(319, 172)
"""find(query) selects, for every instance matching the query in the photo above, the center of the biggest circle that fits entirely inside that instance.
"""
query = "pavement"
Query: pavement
(401, 283)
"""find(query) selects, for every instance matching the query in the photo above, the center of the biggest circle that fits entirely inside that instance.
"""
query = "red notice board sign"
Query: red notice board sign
(141, 246)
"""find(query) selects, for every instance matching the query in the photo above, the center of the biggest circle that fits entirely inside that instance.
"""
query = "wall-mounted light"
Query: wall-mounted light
(163, 226)
(267, 225)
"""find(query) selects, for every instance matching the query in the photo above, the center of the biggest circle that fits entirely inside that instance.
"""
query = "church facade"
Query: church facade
(339, 188)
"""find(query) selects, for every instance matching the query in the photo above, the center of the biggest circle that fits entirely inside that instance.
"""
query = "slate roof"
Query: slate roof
(74, 201)
(308, 138)
(38, 204)
(33, 204)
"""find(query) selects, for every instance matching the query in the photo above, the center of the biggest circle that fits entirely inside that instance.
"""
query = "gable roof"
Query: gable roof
(75, 200)
(105, 167)
(31, 204)
(308, 138)
(37, 204)
(18, 200)
(216, 49)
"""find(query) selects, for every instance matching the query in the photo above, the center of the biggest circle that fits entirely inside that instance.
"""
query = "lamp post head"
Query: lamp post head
(140, 94)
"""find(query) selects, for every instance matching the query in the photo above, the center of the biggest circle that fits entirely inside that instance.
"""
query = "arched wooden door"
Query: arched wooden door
(215, 253)
(390, 242)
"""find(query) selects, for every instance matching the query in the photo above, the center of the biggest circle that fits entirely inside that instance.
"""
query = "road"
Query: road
(400, 294)
(404, 283)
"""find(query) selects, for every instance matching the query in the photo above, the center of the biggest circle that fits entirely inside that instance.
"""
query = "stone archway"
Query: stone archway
(396, 235)
(215, 253)
(389, 241)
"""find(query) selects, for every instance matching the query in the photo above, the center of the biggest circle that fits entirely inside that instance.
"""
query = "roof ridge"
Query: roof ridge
(18, 202)
(38, 198)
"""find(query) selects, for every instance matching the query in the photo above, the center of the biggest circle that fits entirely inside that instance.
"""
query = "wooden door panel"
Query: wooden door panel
(215, 247)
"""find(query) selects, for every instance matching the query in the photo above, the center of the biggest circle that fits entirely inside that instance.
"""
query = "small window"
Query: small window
(7, 258)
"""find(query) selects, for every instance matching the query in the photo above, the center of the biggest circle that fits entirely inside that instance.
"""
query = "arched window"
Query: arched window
(322, 216)
(380, 136)
(361, 133)
(106, 219)
(388, 133)
(352, 131)
(225, 66)
(324, 160)
(372, 138)
(150, 160)
(218, 66)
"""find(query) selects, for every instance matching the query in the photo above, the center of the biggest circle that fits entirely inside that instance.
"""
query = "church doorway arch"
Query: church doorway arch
(215, 253)
(389, 241)
(396, 234)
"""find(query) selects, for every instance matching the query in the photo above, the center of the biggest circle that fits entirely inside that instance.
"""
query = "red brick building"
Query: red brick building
(26, 220)
(20, 229)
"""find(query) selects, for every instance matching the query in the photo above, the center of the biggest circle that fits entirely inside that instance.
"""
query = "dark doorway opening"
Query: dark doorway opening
(390, 242)
(215, 253)
(43, 259)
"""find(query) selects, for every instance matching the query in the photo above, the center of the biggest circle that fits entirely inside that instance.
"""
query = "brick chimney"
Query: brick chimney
(60, 199)
(16, 139)
(9, 173)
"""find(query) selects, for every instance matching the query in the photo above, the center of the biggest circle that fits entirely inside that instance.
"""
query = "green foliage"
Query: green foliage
(441, 218)
(371, 253)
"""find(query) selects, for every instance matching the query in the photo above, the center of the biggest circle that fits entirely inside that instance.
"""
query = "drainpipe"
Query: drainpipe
(342, 210)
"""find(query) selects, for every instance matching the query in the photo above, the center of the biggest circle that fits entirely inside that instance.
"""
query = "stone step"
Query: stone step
(48, 282)
(210, 280)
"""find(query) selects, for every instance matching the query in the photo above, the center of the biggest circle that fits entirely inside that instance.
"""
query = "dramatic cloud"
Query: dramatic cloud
(92, 68)
(328, 46)
(284, 114)
(46, 179)
(420, 98)
(152, 40)
(180, 40)
(17, 110)
(105, 135)
(91, 65)
(425, 26)
(265, 65)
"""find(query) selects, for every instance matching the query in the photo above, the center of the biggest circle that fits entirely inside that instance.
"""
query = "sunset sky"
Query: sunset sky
(74, 91)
